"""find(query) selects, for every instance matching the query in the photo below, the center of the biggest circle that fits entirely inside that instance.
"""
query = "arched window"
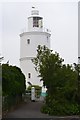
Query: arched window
(28, 41)
(47, 38)
(29, 75)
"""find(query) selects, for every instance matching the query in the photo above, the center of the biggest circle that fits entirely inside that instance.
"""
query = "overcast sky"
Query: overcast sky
(60, 17)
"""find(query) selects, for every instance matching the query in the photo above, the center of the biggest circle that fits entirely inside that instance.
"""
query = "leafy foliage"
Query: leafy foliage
(60, 109)
(60, 80)
(46, 63)
(13, 85)
(13, 80)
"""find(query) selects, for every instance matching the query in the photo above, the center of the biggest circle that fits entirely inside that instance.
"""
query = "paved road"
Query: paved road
(32, 110)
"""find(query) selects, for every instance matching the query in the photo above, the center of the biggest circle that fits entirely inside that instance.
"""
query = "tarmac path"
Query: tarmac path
(32, 110)
(28, 110)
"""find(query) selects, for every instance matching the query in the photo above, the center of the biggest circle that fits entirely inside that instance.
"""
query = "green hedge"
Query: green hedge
(60, 107)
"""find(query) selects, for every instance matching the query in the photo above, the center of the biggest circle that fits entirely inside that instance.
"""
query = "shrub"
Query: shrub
(57, 107)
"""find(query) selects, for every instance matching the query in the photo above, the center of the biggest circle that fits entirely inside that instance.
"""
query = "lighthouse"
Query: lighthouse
(35, 35)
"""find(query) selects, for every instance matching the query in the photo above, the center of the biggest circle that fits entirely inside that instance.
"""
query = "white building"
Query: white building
(29, 41)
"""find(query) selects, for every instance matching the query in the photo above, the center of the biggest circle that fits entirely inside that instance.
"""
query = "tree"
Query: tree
(60, 80)
(47, 64)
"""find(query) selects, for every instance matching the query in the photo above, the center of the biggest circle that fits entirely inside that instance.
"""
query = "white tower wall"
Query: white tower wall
(29, 42)
(36, 38)
(28, 67)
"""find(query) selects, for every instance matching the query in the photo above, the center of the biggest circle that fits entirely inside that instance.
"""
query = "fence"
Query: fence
(38, 96)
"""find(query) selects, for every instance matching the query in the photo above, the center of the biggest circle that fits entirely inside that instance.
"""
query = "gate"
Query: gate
(34, 95)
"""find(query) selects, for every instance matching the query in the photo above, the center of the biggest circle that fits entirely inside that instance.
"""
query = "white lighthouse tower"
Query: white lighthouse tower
(29, 41)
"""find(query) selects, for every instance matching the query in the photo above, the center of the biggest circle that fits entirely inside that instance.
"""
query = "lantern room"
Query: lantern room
(35, 22)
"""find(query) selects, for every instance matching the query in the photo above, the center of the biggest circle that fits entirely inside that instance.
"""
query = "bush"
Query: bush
(59, 107)
(13, 86)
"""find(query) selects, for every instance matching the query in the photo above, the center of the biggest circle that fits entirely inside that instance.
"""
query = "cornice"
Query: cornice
(35, 33)
(26, 58)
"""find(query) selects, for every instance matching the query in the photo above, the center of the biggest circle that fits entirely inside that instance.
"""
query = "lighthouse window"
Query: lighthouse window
(47, 38)
(28, 41)
(29, 75)
(37, 21)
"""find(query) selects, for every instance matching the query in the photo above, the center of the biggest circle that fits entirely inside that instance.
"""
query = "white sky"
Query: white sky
(60, 17)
